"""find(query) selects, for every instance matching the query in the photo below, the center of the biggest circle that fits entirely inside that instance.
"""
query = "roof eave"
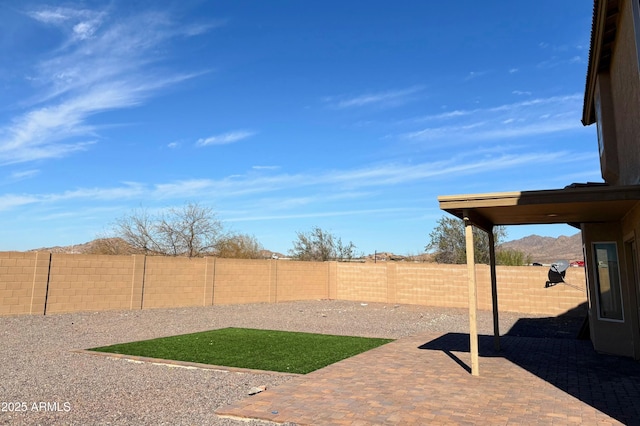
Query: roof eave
(597, 24)
(574, 204)
(603, 29)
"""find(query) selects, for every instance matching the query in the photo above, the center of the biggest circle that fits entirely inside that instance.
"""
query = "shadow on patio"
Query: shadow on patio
(610, 384)
(545, 379)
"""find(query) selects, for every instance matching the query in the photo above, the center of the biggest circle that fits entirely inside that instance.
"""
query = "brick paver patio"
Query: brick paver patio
(425, 379)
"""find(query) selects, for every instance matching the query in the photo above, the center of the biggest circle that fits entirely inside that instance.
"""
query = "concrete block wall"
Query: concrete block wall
(71, 283)
(301, 280)
(90, 283)
(522, 289)
(432, 285)
(243, 281)
(23, 281)
(361, 281)
(174, 282)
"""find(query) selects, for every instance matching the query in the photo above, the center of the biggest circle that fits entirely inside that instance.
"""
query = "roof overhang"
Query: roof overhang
(603, 34)
(573, 205)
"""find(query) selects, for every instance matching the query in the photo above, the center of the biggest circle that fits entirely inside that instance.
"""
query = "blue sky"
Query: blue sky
(284, 115)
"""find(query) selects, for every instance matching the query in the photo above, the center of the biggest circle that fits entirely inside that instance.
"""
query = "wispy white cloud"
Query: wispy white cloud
(336, 213)
(265, 167)
(475, 74)
(521, 119)
(337, 183)
(521, 92)
(556, 61)
(11, 201)
(18, 176)
(388, 98)
(62, 128)
(105, 63)
(60, 16)
(25, 174)
(128, 190)
(198, 29)
(561, 54)
(449, 115)
(225, 138)
(85, 30)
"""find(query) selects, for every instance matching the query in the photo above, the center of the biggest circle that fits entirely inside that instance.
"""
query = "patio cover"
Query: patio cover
(574, 205)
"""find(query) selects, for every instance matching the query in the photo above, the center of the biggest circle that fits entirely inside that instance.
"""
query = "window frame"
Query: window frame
(635, 9)
(596, 273)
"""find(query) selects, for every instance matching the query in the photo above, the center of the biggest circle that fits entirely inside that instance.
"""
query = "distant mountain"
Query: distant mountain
(97, 246)
(118, 246)
(548, 249)
(541, 249)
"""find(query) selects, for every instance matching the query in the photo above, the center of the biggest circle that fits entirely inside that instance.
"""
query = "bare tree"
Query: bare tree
(190, 231)
(110, 246)
(138, 229)
(319, 245)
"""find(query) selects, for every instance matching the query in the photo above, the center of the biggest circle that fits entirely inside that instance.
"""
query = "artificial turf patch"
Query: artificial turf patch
(284, 351)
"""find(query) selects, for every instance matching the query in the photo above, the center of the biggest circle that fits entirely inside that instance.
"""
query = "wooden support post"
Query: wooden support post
(494, 290)
(473, 295)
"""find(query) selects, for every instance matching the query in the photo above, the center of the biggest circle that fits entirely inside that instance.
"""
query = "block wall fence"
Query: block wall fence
(40, 283)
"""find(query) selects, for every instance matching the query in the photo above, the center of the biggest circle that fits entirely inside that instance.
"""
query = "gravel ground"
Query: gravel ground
(38, 365)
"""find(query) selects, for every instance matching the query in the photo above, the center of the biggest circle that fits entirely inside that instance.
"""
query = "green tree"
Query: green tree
(239, 246)
(448, 243)
(512, 257)
(320, 245)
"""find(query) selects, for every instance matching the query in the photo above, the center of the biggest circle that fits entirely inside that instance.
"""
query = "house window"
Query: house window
(607, 275)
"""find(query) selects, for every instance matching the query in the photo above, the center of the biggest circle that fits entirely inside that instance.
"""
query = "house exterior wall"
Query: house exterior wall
(617, 105)
(625, 91)
(610, 336)
(631, 234)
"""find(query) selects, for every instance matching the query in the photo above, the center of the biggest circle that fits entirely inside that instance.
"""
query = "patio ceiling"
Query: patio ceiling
(574, 204)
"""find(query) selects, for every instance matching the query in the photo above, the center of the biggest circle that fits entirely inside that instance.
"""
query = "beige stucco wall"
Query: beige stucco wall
(621, 82)
(610, 336)
(625, 88)
(631, 232)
